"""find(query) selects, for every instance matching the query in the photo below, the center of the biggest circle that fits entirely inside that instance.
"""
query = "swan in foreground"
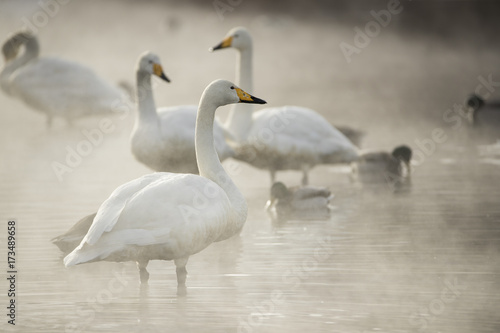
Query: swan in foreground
(281, 138)
(298, 203)
(56, 87)
(381, 166)
(171, 216)
(163, 139)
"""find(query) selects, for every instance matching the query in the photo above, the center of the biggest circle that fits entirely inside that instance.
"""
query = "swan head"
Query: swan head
(475, 102)
(10, 48)
(238, 38)
(150, 63)
(223, 92)
(402, 153)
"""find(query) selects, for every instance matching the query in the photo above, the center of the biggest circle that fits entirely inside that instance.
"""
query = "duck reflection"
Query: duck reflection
(298, 203)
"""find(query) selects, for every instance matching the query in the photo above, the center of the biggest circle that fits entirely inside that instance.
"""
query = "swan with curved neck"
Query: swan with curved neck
(163, 139)
(56, 87)
(169, 216)
(283, 138)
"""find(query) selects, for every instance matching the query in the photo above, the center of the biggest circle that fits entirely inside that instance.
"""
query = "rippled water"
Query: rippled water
(421, 260)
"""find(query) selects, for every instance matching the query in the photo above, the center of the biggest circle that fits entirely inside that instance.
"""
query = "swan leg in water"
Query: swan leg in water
(143, 272)
(305, 175)
(180, 270)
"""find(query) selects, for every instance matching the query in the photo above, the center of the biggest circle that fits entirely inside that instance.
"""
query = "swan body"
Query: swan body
(170, 216)
(53, 86)
(293, 145)
(298, 203)
(163, 139)
(381, 166)
(286, 138)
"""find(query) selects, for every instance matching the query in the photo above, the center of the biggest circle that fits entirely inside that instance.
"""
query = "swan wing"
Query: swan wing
(111, 208)
(181, 212)
(292, 130)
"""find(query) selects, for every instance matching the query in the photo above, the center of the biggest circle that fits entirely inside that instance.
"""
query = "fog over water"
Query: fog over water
(424, 259)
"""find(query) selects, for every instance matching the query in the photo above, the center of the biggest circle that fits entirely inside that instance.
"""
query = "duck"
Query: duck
(56, 87)
(382, 167)
(163, 139)
(171, 216)
(298, 203)
(280, 138)
(484, 116)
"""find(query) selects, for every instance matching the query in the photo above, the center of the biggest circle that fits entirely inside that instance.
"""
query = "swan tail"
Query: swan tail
(115, 247)
(81, 255)
(354, 135)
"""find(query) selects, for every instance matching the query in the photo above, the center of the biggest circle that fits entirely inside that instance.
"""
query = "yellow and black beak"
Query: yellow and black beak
(247, 98)
(158, 71)
(226, 42)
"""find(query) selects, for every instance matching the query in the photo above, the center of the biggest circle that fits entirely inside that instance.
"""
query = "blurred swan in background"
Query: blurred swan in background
(381, 166)
(281, 138)
(163, 139)
(170, 216)
(53, 86)
(298, 203)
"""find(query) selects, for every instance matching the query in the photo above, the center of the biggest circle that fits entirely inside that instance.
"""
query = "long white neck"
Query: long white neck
(239, 120)
(31, 51)
(145, 100)
(208, 161)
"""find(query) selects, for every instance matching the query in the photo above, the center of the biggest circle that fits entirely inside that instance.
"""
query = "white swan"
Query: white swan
(383, 167)
(282, 138)
(163, 139)
(56, 87)
(298, 203)
(169, 216)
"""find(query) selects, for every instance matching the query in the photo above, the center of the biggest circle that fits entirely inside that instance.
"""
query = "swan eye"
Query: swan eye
(150, 61)
(236, 36)
(232, 87)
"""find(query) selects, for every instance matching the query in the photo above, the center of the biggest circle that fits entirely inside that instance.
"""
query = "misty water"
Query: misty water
(422, 259)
